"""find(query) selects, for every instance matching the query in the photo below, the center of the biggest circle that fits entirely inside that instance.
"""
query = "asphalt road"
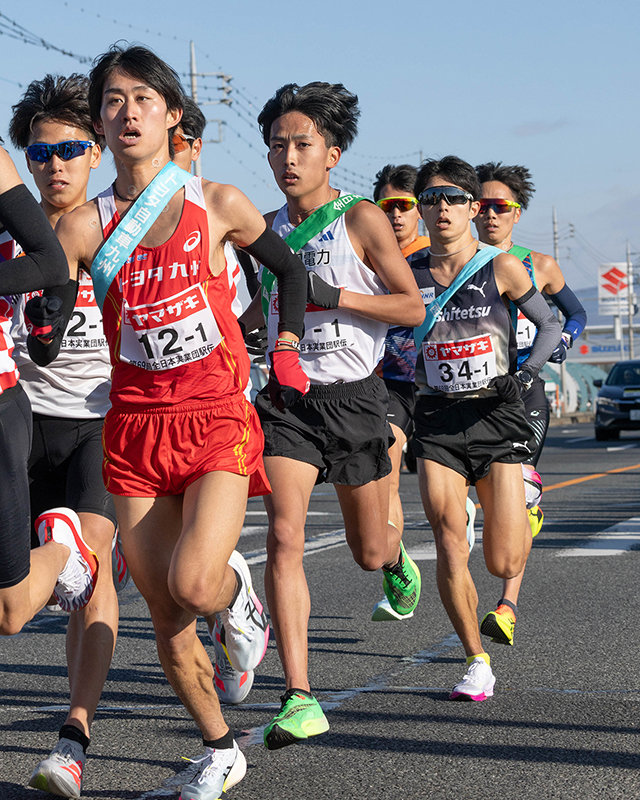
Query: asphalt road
(563, 722)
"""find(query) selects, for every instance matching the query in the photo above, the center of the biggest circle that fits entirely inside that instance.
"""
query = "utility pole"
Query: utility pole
(630, 298)
(197, 166)
(563, 366)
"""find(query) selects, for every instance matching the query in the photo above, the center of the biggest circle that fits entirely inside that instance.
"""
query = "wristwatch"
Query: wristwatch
(525, 378)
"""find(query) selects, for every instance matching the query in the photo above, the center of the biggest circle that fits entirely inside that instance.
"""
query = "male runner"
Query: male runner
(69, 400)
(64, 565)
(506, 191)
(231, 685)
(393, 192)
(183, 447)
(358, 284)
(469, 419)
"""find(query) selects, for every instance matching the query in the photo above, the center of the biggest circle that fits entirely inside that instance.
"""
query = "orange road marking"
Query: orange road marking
(593, 477)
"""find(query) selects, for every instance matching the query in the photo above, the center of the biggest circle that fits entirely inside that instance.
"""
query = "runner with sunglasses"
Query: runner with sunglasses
(182, 446)
(338, 433)
(30, 257)
(469, 419)
(393, 192)
(506, 192)
(69, 399)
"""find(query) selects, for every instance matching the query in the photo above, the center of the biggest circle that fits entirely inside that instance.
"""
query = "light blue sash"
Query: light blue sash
(132, 228)
(435, 306)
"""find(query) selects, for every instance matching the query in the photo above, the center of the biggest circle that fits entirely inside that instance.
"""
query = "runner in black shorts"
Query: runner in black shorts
(69, 398)
(358, 284)
(470, 423)
(506, 191)
(27, 580)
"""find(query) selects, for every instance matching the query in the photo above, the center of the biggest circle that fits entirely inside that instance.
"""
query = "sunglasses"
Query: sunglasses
(452, 195)
(64, 150)
(181, 141)
(498, 205)
(387, 204)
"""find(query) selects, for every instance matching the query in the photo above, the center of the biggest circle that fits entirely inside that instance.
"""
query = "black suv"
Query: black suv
(618, 401)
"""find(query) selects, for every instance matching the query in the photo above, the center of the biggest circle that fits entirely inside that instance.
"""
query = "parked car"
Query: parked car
(618, 401)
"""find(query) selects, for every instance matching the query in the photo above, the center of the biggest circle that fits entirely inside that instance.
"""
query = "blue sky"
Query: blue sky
(552, 85)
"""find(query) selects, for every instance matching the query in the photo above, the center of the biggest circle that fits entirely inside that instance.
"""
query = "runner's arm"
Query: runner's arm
(374, 241)
(43, 262)
(552, 283)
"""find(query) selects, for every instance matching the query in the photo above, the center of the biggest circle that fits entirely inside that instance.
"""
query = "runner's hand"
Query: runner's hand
(256, 343)
(560, 353)
(43, 317)
(287, 381)
(507, 387)
(320, 293)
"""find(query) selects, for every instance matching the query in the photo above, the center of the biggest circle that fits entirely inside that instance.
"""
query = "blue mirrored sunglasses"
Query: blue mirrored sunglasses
(64, 150)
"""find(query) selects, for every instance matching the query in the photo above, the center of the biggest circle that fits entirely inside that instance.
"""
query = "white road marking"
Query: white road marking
(614, 448)
(613, 541)
(580, 439)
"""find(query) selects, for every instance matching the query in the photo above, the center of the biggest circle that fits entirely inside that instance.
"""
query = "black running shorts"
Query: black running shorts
(402, 404)
(341, 429)
(469, 434)
(537, 412)
(65, 466)
(15, 442)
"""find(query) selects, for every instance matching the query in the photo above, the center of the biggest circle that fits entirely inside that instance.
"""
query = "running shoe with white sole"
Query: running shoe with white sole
(401, 584)
(77, 580)
(218, 770)
(231, 686)
(244, 631)
(300, 717)
(61, 772)
(382, 612)
(477, 683)
(500, 625)
(119, 568)
(471, 520)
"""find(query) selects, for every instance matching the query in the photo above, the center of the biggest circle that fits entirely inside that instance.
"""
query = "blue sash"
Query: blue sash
(435, 307)
(132, 228)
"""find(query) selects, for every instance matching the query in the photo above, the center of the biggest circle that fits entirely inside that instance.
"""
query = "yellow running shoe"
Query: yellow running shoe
(536, 518)
(499, 625)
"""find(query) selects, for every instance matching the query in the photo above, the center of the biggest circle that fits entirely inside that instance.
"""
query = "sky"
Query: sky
(551, 85)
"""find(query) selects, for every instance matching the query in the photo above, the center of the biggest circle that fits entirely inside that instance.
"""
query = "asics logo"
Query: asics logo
(477, 288)
(192, 241)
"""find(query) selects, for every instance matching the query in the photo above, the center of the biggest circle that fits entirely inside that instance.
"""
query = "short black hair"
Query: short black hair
(450, 168)
(516, 177)
(53, 99)
(193, 121)
(138, 62)
(333, 109)
(402, 176)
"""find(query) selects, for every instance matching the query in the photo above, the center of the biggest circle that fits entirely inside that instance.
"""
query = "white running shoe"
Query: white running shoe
(61, 773)
(244, 630)
(77, 580)
(477, 683)
(471, 519)
(119, 567)
(383, 612)
(231, 686)
(218, 771)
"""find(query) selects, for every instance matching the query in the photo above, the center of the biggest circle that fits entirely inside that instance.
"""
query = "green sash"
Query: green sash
(304, 233)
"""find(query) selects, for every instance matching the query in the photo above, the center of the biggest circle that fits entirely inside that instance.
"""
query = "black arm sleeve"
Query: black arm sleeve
(44, 262)
(270, 250)
(43, 353)
(250, 272)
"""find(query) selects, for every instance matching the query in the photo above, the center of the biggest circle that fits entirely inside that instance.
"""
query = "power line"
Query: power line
(19, 32)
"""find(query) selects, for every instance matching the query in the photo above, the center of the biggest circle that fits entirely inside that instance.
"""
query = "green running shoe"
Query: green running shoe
(300, 717)
(401, 584)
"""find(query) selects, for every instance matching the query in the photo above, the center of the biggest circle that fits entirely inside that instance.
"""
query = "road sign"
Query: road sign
(613, 289)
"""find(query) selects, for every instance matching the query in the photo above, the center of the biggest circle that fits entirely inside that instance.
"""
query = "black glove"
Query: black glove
(256, 343)
(510, 388)
(320, 293)
(43, 316)
(560, 353)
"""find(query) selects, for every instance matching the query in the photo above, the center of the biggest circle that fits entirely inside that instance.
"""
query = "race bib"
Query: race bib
(324, 332)
(170, 332)
(459, 366)
(85, 331)
(525, 332)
